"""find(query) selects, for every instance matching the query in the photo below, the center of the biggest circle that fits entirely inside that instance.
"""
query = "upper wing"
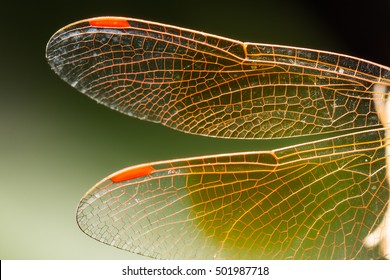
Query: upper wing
(209, 85)
(313, 201)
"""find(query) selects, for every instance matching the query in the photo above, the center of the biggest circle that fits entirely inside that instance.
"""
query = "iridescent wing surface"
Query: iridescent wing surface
(312, 201)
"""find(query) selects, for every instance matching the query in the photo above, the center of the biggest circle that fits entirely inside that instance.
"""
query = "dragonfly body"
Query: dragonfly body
(315, 200)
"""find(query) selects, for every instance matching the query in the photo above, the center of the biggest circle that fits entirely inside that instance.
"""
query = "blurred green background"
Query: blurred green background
(56, 143)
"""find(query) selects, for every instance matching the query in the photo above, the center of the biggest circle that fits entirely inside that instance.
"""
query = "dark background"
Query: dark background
(55, 143)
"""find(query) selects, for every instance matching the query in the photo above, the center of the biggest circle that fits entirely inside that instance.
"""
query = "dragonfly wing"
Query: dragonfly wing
(205, 84)
(312, 201)
(316, 200)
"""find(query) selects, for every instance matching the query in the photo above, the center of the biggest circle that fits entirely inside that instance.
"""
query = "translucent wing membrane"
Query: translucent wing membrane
(209, 85)
(312, 201)
(326, 199)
